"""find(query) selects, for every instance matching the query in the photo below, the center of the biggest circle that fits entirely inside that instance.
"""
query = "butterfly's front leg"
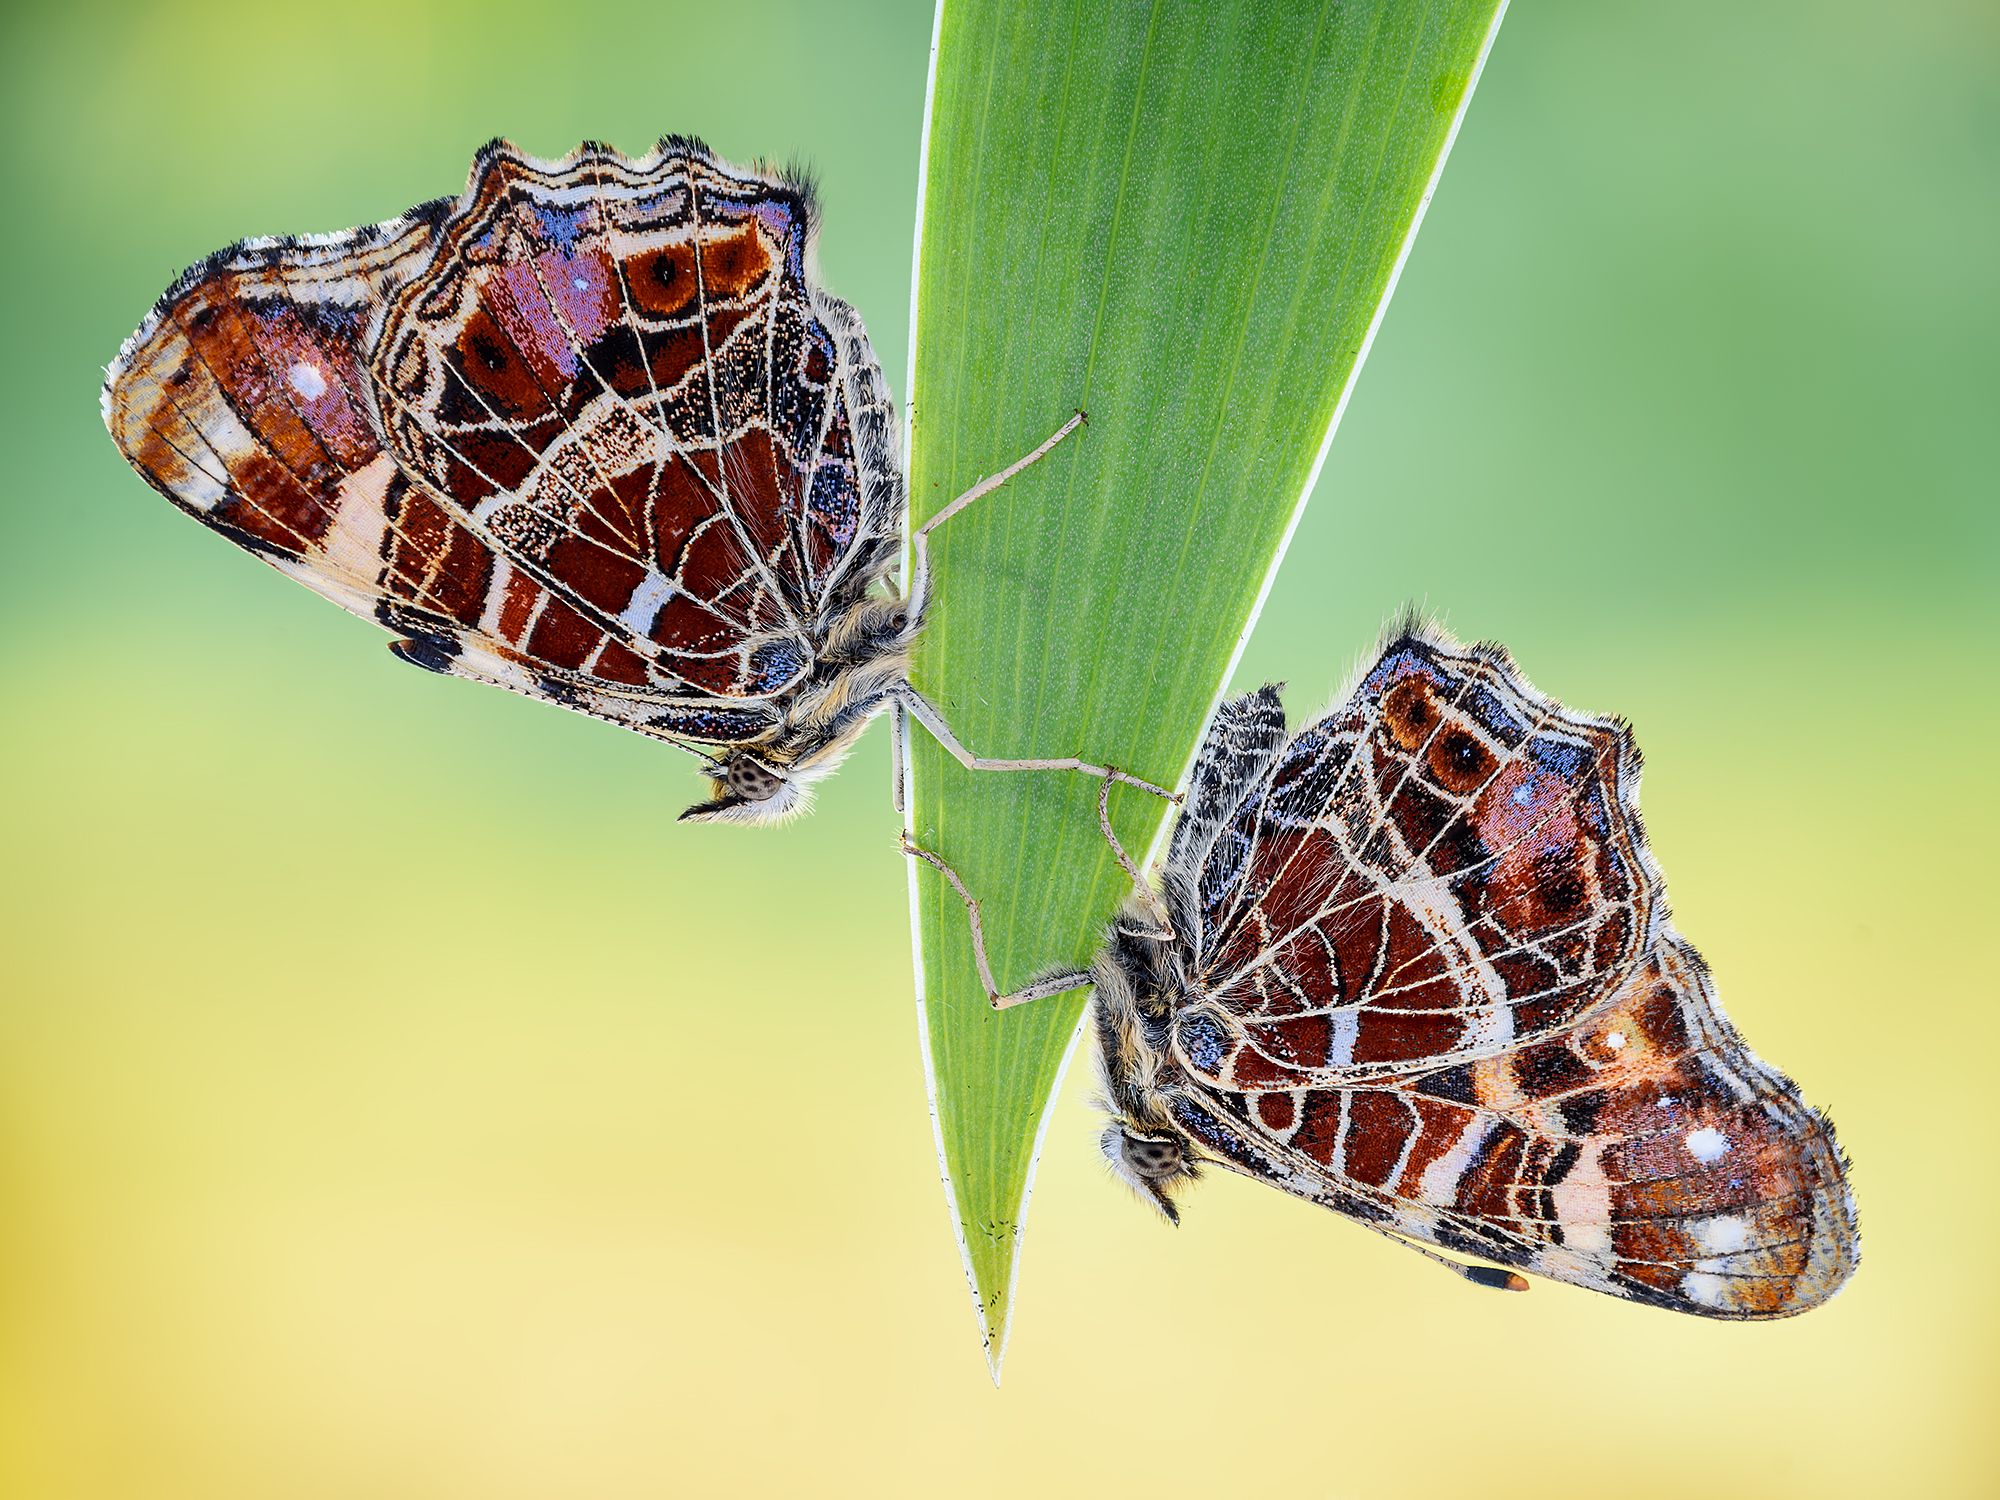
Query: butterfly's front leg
(1164, 932)
(1048, 984)
(919, 581)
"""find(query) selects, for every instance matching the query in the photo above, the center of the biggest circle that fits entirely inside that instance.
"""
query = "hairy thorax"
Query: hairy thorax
(857, 671)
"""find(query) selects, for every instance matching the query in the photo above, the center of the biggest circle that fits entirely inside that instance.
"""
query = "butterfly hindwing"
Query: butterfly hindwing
(1446, 864)
(560, 371)
(1644, 1152)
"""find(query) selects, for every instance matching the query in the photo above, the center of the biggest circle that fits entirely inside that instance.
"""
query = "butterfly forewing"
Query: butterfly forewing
(1431, 984)
(243, 399)
(586, 432)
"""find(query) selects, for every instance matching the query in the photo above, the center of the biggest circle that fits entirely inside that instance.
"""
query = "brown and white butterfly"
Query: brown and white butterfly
(1414, 963)
(588, 431)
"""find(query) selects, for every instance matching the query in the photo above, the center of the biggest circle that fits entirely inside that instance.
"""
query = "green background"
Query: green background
(393, 1100)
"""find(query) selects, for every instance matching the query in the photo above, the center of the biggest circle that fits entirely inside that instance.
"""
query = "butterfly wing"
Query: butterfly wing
(621, 371)
(1445, 865)
(587, 432)
(1584, 1110)
(243, 399)
(1643, 1151)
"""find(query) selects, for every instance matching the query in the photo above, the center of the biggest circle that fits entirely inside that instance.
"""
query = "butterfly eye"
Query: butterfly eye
(752, 780)
(1151, 1158)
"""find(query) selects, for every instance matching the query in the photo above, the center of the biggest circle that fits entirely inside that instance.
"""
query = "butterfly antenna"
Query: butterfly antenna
(1494, 1276)
(710, 765)
(1499, 1279)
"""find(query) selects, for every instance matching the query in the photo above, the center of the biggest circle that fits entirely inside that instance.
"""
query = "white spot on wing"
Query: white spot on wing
(1583, 1207)
(496, 598)
(1724, 1234)
(353, 544)
(307, 380)
(1490, 1014)
(1346, 1028)
(1707, 1143)
(1439, 1184)
(198, 487)
(1614, 1040)
(1706, 1288)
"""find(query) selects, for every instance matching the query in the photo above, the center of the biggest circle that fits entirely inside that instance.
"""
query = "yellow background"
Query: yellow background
(395, 1102)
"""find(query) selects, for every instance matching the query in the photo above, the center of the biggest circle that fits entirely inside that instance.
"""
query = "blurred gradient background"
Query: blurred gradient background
(395, 1102)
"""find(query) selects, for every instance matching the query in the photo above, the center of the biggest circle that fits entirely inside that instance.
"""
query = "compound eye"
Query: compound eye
(1150, 1158)
(754, 782)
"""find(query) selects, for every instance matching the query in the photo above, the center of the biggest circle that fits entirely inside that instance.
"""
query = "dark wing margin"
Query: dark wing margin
(1243, 737)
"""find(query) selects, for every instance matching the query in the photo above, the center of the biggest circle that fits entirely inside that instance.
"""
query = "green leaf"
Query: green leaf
(1185, 218)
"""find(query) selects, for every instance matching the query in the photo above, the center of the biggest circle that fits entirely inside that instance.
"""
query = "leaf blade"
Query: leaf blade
(1099, 229)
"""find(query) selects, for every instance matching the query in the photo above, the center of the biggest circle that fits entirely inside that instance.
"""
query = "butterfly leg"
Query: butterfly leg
(922, 710)
(1164, 932)
(920, 554)
(1048, 984)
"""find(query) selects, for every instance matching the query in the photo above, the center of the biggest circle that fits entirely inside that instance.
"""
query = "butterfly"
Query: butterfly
(1414, 963)
(590, 432)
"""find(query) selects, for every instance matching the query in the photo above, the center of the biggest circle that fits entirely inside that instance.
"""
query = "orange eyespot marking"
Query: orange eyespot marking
(733, 264)
(1458, 761)
(663, 283)
(492, 366)
(1410, 712)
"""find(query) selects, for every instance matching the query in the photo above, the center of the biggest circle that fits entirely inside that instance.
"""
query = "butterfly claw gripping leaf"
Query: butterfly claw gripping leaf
(588, 432)
(1425, 977)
